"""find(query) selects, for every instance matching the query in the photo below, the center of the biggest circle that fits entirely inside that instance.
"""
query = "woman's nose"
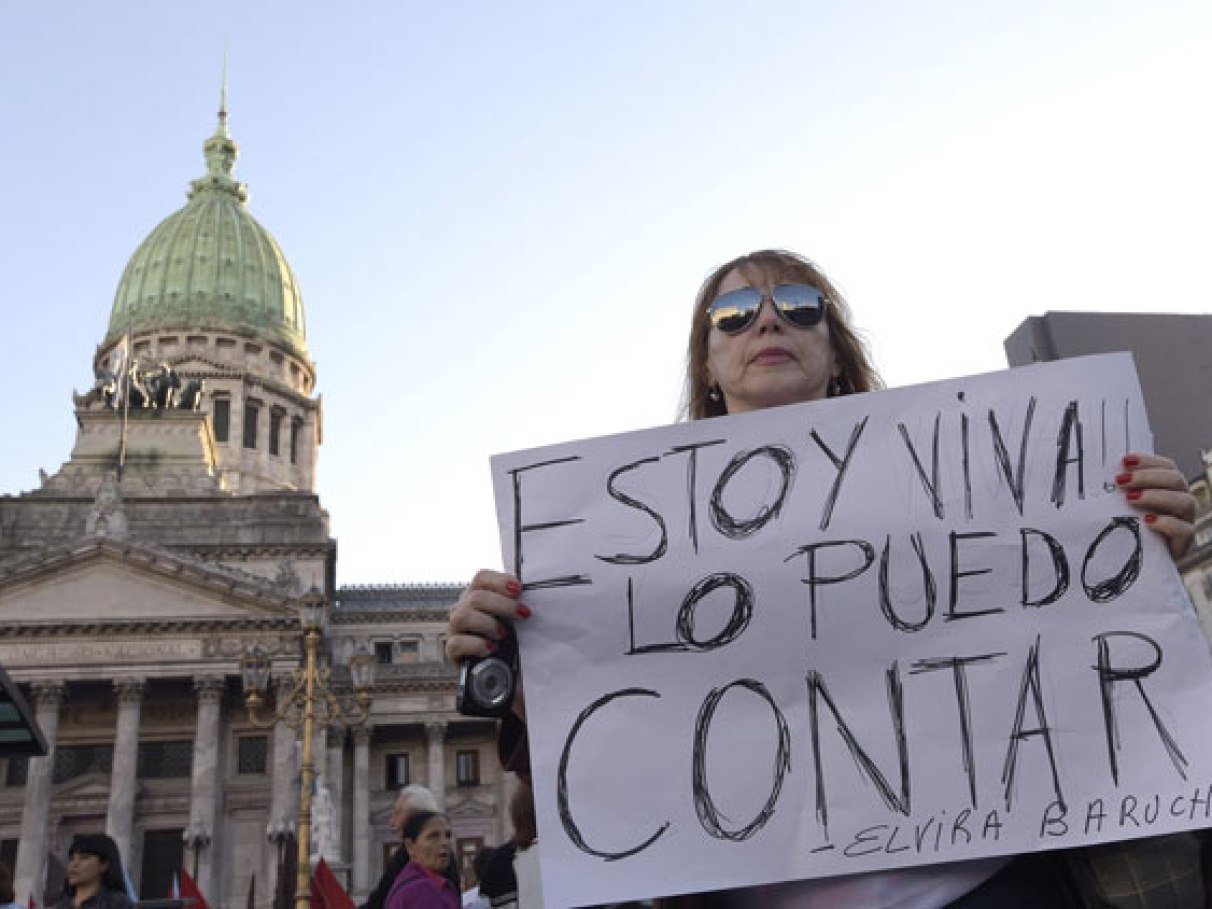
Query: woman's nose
(767, 317)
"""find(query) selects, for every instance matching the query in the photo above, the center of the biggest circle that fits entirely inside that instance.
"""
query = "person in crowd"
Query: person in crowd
(94, 874)
(422, 884)
(473, 898)
(413, 797)
(768, 329)
(7, 899)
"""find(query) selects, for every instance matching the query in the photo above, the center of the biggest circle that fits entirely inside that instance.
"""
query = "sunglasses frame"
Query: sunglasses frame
(748, 313)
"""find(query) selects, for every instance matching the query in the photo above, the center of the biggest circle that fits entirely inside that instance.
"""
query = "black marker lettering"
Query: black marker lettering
(818, 692)
(565, 812)
(1032, 688)
(724, 522)
(929, 591)
(619, 496)
(1068, 439)
(956, 574)
(1015, 479)
(960, 676)
(692, 468)
(1109, 676)
(929, 483)
(840, 465)
(709, 815)
(520, 528)
(1060, 568)
(1107, 590)
(868, 554)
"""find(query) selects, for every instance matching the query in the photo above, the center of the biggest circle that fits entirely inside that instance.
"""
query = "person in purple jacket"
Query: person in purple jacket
(422, 883)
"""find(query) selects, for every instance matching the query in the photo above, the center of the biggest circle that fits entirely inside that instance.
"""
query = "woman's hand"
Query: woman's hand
(475, 624)
(1154, 485)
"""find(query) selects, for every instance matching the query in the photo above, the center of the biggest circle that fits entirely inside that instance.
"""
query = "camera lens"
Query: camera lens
(491, 683)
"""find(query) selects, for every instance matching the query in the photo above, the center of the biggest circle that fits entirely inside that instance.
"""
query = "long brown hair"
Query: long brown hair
(857, 374)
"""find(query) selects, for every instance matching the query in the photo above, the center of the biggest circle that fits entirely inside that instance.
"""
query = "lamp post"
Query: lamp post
(311, 698)
(197, 838)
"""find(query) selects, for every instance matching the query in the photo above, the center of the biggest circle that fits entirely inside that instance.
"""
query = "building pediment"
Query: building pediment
(100, 579)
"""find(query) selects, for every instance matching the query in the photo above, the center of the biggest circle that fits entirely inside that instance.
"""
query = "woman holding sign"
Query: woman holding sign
(770, 329)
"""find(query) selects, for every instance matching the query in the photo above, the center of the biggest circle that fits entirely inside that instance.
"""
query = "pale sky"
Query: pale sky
(499, 213)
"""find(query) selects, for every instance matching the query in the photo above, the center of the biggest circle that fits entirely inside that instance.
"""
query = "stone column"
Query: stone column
(204, 790)
(435, 738)
(285, 775)
(31, 853)
(119, 820)
(336, 784)
(361, 812)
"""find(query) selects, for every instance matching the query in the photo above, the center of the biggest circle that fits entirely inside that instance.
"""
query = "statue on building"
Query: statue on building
(107, 517)
(323, 824)
(191, 395)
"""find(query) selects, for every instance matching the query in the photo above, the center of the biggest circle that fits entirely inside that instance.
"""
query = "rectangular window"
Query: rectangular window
(17, 772)
(251, 412)
(165, 760)
(467, 768)
(220, 419)
(408, 651)
(383, 653)
(296, 430)
(163, 852)
(73, 761)
(252, 754)
(397, 771)
(275, 431)
(8, 852)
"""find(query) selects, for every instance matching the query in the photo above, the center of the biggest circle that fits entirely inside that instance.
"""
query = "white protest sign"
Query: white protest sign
(890, 629)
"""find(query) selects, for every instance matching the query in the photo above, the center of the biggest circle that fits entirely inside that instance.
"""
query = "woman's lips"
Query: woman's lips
(769, 356)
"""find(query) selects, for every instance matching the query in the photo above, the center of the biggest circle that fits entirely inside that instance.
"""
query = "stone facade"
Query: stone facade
(172, 542)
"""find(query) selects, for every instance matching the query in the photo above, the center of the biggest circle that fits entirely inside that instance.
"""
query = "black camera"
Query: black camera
(486, 684)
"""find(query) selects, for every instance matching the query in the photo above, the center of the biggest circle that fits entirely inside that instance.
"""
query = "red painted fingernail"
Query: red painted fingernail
(1150, 519)
(523, 611)
(492, 645)
(501, 632)
(513, 587)
(1132, 495)
(1123, 478)
(1131, 461)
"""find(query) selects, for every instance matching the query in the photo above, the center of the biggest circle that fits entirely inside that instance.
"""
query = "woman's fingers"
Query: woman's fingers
(477, 618)
(1153, 485)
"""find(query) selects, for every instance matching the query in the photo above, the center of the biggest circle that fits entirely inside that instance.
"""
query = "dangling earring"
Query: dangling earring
(835, 388)
(713, 394)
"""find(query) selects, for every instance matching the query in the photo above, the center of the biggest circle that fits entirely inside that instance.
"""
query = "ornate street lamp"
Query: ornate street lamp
(311, 694)
(196, 838)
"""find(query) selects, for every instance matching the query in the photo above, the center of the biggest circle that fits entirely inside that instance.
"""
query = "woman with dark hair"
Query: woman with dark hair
(422, 883)
(94, 874)
(770, 329)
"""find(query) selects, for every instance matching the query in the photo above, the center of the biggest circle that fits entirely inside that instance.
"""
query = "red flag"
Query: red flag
(190, 891)
(326, 890)
(33, 903)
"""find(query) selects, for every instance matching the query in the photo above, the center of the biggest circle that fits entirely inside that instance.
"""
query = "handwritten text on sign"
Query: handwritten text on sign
(891, 629)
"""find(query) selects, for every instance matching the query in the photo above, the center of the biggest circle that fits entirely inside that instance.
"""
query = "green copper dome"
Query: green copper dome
(211, 266)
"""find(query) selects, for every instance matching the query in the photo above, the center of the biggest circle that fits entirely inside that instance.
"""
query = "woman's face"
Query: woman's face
(85, 870)
(431, 848)
(771, 362)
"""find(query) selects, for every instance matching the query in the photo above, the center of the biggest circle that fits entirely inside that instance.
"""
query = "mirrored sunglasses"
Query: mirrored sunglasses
(801, 305)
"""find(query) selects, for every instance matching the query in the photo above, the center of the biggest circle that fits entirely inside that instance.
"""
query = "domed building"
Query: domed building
(180, 537)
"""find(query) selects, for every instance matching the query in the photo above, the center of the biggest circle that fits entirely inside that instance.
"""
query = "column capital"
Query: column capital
(49, 694)
(362, 734)
(130, 690)
(209, 688)
(435, 729)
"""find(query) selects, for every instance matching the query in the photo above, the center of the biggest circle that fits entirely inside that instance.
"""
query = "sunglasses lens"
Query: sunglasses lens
(800, 304)
(735, 311)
